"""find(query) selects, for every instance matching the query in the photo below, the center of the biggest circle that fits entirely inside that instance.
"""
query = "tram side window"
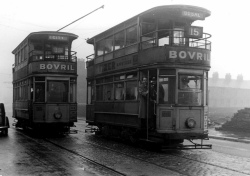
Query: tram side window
(90, 93)
(119, 91)
(99, 93)
(108, 92)
(21, 90)
(40, 92)
(131, 90)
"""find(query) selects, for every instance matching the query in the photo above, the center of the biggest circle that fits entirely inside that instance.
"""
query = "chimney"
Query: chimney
(240, 77)
(228, 77)
(215, 76)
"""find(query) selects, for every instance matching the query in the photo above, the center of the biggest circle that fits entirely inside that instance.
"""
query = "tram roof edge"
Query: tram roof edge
(47, 33)
(206, 12)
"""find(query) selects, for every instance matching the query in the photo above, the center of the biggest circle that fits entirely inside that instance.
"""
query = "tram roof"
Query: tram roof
(159, 11)
(47, 33)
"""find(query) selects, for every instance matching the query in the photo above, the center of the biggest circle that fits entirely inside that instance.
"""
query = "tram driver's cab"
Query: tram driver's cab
(175, 95)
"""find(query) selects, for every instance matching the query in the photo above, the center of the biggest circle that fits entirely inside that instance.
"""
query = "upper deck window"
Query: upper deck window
(100, 47)
(25, 52)
(36, 49)
(148, 34)
(119, 40)
(104, 46)
(108, 45)
(19, 57)
(16, 59)
(57, 51)
(131, 35)
(148, 28)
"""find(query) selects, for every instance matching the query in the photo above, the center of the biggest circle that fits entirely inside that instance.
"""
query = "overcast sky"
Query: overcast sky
(229, 25)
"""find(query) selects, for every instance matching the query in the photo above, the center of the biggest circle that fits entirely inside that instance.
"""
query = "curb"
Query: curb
(231, 139)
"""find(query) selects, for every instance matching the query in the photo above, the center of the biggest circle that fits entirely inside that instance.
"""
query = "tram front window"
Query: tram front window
(57, 91)
(189, 90)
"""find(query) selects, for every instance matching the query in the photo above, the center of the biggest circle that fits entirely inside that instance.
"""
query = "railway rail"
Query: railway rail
(173, 153)
(171, 160)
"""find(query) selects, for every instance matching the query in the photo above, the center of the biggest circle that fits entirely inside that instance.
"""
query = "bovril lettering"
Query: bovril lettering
(189, 55)
(56, 67)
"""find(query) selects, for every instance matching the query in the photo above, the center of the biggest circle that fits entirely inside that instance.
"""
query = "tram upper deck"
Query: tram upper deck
(162, 34)
(45, 52)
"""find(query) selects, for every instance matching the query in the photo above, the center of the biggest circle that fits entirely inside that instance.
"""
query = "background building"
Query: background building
(227, 95)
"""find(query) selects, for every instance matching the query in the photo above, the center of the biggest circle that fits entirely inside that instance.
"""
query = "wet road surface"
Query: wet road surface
(24, 154)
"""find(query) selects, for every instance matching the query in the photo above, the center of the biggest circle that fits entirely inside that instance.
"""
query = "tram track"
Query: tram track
(85, 158)
(165, 167)
(141, 159)
(109, 169)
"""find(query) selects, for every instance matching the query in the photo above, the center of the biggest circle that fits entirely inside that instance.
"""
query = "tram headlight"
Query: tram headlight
(190, 123)
(57, 115)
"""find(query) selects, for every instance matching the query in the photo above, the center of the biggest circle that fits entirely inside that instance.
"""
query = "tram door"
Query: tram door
(166, 84)
(148, 92)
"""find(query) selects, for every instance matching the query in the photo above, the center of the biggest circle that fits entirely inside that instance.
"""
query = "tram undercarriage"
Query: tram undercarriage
(150, 137)
(44, 127)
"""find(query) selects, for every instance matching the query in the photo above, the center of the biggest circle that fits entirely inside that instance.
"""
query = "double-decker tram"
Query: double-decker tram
(148, 78)
(44, 82)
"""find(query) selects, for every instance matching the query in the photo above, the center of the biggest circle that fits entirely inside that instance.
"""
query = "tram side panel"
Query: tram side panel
(114, 113)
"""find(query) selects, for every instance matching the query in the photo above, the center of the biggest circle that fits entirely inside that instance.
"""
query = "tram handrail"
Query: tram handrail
(42, 55)
(181, 41)
(88, 57)
(172, 37)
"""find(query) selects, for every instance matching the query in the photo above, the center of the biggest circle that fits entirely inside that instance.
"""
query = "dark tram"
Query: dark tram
(148, 78)
(44, 82)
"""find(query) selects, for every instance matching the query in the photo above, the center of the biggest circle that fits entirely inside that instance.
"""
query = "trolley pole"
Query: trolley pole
(81, 18)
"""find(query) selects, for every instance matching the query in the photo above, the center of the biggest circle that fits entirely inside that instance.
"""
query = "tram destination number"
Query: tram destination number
(194, 32)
